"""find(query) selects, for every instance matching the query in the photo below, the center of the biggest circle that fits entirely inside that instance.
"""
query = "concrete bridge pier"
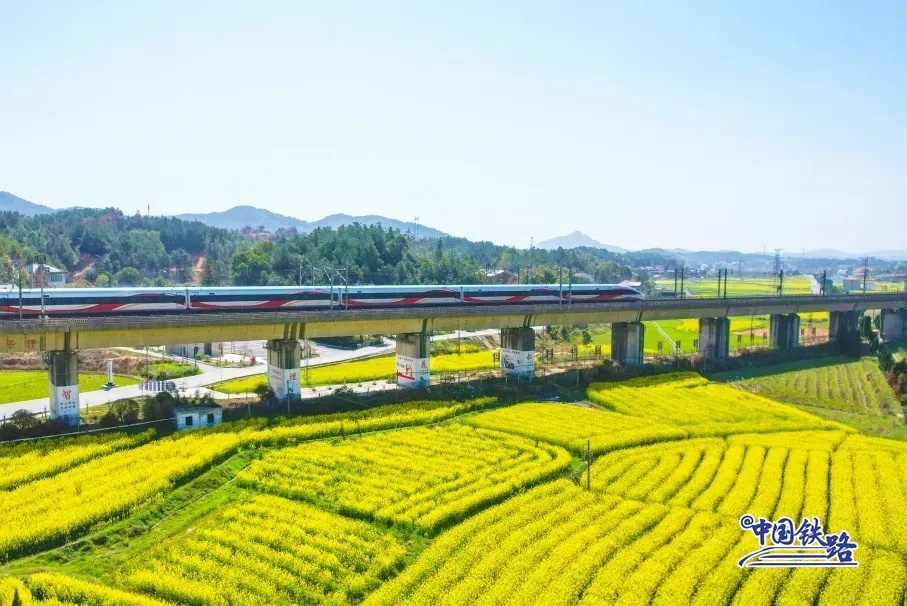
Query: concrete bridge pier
(840, 322)
(518, 351)
(784, 331)
(627, 343)
(715, 338)
(283, 368)
(894, 324)
(63, 368)
(413, 353)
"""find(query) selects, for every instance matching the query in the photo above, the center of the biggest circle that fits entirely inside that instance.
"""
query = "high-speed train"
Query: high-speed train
(115, 301)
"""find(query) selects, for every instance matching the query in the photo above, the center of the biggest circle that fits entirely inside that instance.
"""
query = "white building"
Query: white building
(856, 285)
(192, 417)
(54, 277)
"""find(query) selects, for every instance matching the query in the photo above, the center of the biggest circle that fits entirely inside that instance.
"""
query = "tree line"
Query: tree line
(114, 249)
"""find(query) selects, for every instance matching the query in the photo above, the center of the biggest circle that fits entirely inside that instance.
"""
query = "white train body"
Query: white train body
(118, 301)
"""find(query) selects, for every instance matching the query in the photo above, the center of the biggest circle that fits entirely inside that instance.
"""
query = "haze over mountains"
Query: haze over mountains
(576, 239)
(239, 217)
(18, 205)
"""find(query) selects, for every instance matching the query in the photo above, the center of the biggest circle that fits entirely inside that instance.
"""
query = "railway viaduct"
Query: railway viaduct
(60, 338)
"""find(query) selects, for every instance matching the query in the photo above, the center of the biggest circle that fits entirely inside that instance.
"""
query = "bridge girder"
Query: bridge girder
(137, 331)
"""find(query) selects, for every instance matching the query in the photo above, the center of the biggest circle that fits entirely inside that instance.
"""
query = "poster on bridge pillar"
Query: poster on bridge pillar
(64, 401)
(413, 372)
(516, 362)
(284, 382)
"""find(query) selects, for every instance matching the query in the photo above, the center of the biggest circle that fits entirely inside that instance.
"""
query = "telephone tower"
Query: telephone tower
(776, 272)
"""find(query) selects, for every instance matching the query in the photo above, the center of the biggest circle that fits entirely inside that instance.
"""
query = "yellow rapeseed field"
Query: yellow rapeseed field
(382, 368)
(425, 477)
(702, 408)
(488, 508)
(271, 550)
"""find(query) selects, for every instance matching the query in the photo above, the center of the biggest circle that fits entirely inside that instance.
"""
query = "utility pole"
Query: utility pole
(560, 286)
(781, 283)
(570, 287)
(682, 293)
(865, 272)
(19, 275)
(41, 259)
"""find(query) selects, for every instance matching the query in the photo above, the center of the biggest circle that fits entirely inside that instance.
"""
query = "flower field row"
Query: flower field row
(572, 426)
(424, 477)
(690, 402)
(381, 368)
(270, 551)
(28, 461)
(558, 544)
(47, 512)
(373, 419)
(853, 386)
(784, 474)
(59, 590)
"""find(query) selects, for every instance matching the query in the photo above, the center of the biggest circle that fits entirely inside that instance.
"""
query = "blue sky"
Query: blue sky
(700, 125)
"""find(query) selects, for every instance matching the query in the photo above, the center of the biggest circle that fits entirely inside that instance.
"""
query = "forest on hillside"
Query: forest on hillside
(104, 247)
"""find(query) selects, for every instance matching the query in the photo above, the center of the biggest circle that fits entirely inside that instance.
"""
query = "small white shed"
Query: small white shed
(203, 415)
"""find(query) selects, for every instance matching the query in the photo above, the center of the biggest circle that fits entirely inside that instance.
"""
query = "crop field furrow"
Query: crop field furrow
(656, 477)
(573, 427)
(392, 506)
(680, 584)
(270, 550)
(679, 476)
(846, 585)
(545, 552)
(30, 461)
(803, 586)
(736, 500)
(467, 468)
(838, 384)
(869, 505)
(893, 503)
(632, 476)
(608, 580)
(574, 574)
(793, 485)
(723, 480)
(712, 460)
(641, 586)
(761, 587)
(768, 490)
(478, 569)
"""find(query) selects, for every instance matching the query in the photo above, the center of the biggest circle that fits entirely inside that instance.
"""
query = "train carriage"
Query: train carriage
(97, 301)
(122, 301)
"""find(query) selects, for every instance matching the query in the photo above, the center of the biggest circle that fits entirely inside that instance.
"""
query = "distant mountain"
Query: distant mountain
(335, 221)
(17, 204)
(239, 217)
(825, 253)
(888, 255)
(576, 239)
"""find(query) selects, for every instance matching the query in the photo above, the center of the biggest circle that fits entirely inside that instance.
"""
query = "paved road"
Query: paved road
(212, 374)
